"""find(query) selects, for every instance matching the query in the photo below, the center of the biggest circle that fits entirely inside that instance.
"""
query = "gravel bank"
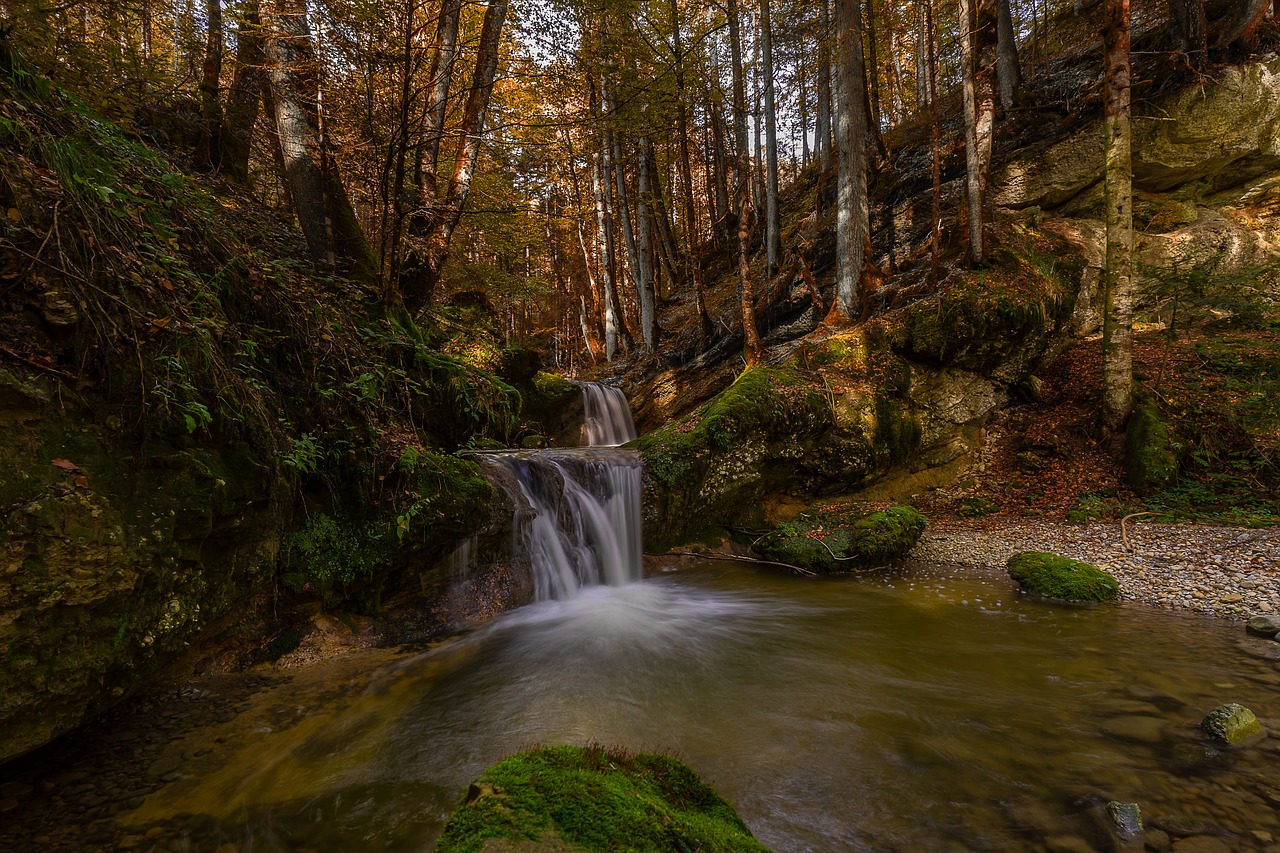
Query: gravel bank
(1221, 571)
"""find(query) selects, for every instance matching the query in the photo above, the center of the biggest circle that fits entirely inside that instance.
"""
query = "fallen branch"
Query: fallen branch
(712, 555)
(1124, 530)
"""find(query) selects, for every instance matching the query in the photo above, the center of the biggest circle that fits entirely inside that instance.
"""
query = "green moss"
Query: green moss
(1060, 577)
(596, 799)
(834, 539)
(1149, 458)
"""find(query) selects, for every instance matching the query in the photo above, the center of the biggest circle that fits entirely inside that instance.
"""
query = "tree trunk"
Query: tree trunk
(773, 225)
(752, 348)
(977, 44)
(645, 250)
(935, 227)
(873, 68)
(686, 177)
(604, 230)
(442, 63)
(1117, 340)
(243, 98)
(209, 149)
(1008, 70)
(851, 160)
(1188, 31)
(822, 134)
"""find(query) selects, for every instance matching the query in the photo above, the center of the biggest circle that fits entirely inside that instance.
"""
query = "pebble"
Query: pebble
(1220, 571)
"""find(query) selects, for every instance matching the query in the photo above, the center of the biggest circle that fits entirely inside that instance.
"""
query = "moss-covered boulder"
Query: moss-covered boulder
(1061, 577)
(1231, 724)
(592, 798)
(835, 539)
(1150, 460)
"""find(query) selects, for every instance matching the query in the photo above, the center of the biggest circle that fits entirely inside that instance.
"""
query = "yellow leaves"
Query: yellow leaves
(14, 215)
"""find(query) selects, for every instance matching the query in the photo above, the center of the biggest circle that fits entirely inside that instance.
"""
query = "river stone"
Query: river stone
(1263, 625)
(1124, 819)
(1201, 844)
(1157, 840)
(1231, 724)
(1135, 728)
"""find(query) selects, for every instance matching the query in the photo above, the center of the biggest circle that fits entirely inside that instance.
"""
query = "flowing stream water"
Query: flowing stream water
(920, 708)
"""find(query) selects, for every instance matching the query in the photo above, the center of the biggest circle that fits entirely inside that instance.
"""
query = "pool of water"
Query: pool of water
(919, 709)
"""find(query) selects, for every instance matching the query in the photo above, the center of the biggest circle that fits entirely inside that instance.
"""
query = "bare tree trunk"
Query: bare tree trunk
(1008, 70)
(686, 177)
(773, 225)
(442, 62)
(1189, 32)
(1117, 334)
(822, 135)
(935, 227)
(977, 44)
(1244, 25)
(719, 161)
(209, 148)
(605, 236)
(873, 68)
(244, 97)
(851, 160)
(752, 348)
(645, 250)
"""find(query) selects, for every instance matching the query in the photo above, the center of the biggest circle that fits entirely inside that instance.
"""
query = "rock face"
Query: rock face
(593, 799)
(1060, 577)
(1231, 724)
(110, 566)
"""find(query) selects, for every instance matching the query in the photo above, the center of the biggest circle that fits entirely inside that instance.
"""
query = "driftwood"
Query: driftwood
(712, 555)
(1124, 530)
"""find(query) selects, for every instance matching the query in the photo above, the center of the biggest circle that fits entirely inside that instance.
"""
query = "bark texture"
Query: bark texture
(1117, 340)
(1188, 31)
(978, 60)
(852, 222)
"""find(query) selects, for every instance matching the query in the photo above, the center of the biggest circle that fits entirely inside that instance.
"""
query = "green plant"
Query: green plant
(305, 453)
(1089, 507)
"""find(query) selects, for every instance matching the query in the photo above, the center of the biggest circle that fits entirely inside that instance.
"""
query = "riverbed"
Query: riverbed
(928, 707)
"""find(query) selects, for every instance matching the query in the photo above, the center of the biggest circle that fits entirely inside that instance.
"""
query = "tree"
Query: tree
(1117, 340)
(209, 149)
(978, 60)
(1008, 70)
(773, 225)
(1188, 31)
(686, 175)
(243, 97)
(852, 224)
(752, 348)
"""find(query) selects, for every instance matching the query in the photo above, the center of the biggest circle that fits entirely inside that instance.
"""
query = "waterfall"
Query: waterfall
(608, 417)
(577, 516)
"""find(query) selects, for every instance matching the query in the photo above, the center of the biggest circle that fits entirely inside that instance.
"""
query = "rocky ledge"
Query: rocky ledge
(1221, 571)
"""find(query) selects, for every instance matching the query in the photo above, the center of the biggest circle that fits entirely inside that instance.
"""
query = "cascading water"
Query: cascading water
(578, 509)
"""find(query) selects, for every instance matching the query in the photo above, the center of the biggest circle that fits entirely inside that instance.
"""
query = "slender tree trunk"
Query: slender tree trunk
(442, 63)
(686, 177)
(719, 160)
(1008, 70)
(873, 67)
(851, 160)
(805, 154)
(822, 134)
(604, 229)
(244, 97)
(773, 225)
(978, 43)
(935, 227)
(752, 348)
(1189, 32)
(209, 148)
(1117, 339)
(645, 250)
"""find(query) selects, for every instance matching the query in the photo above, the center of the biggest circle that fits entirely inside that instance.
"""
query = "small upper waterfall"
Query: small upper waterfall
(608, 417)
(577, 516)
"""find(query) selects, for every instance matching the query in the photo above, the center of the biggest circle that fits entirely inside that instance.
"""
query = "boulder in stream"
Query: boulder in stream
(592, 798)
(843, 538)
(1060, 577)
(1264, 625)
(1231, 724)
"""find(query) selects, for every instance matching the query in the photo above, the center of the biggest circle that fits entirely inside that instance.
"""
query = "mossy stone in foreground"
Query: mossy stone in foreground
(1060, 577)
(834, 539)
(593, 799)
(1231, 724)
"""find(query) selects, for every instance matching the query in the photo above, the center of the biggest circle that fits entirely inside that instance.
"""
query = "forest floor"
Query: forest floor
(1045, 480)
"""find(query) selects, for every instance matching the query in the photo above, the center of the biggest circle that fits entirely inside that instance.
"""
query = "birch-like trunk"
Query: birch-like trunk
(1117, 332)
(851, 159)
(752, 348)
(978, 59)
(604, 231)
(773, 225)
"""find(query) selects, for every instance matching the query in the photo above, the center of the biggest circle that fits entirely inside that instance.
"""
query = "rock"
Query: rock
(1124, 819)
(1157, 840)
(1263, 625)
(1031, 463)
(560, 797)
(1180, 826)
(841, 538)
(1201, 844)
(1231, 724)
(1060, 577)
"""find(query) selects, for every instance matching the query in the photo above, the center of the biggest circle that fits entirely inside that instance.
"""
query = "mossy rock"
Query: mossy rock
(1149, 457)
(1231, 724)
(843, 538)
(1061, 577)
(592, 798)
